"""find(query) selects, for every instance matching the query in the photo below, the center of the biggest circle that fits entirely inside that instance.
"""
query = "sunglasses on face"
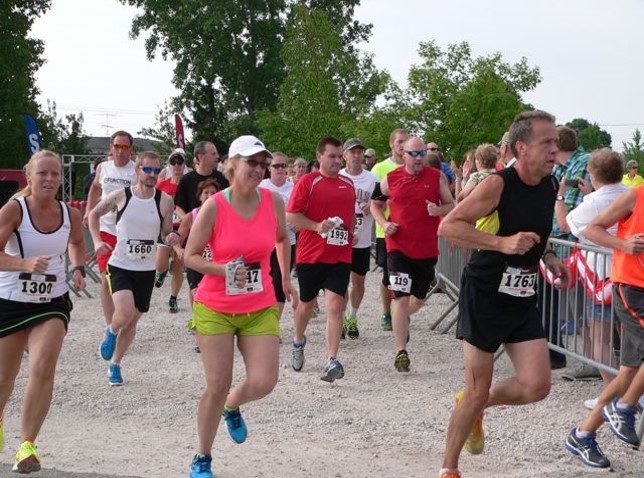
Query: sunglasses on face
(150, 170)
(121, 147)
(414, 154)
(253, 163)
(175, 161)
(279, 166)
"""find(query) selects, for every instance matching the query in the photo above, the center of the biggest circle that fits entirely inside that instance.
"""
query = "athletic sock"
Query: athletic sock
(230, 409)
(622, 406)
(354, 311)
(173, 297)
(582, 433)
(111, 329)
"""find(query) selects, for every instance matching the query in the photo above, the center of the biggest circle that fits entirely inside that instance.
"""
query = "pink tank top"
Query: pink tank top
(234, 236)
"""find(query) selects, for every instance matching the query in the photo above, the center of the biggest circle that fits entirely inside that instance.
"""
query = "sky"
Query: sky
(589, 53)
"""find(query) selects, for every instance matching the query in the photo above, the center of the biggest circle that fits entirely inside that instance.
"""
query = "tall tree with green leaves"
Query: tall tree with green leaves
(20, 58)
(634, 150)
(590, 135)
(459, 101)
(325, 89)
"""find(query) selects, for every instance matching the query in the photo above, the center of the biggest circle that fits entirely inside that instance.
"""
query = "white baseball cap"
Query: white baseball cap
(247, 146)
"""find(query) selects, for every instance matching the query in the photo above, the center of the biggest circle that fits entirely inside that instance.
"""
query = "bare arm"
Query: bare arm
(378, 210)
(282, 245)
(94, 194)
(110, 203)
(200, 232)
(621, 208)
(10, 216)
(300, 221)
(76, 247)
(184, 231)
(458, 225)
(447, 202)
(469, 187)
(167, 233)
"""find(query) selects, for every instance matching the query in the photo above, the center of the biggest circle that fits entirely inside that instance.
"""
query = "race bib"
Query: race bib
(139, 249)
(207, 253)
(175, 218)
(400, 282)
(518, 282)
(35, 287)
(338, 236)
(359, 222)
(253, 282)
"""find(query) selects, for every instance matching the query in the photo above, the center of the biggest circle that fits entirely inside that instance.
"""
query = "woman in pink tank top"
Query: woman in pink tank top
(241, 225)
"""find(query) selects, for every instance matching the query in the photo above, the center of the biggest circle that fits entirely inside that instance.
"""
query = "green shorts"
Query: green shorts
(209, 322)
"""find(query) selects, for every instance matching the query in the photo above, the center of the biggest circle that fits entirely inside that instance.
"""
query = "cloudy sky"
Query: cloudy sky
(589, 53)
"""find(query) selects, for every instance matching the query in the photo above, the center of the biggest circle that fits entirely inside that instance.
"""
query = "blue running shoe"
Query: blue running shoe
(114, 377)
(236, 425)
(108, 345)
(201, 467)
(587, 450)
(622, 422)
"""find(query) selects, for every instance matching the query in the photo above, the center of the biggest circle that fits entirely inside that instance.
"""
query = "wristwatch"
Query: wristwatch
(560, 197)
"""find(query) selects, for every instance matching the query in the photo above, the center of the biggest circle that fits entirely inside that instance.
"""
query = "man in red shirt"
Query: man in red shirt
(322, 208)
(417, 195)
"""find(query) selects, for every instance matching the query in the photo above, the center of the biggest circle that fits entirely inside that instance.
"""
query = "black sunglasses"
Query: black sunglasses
(414, 154)
(279, 166)
(175, 161)
(253, 163)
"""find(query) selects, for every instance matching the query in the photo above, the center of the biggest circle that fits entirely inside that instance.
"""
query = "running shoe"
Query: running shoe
(333, 371)
(172, 303)
(587, 450)
(402, 361)
(201, 467)
(1, 433)
(449, 474)
(475, 442)
(350, 326)
(385, 323)
(114, 377)
(27, 460)
(621, 422)
(236, 426)
(108, 345)
(297, 358)
(159, 277)
(590, 403)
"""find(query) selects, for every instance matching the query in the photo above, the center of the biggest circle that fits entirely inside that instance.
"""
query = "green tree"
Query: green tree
(20, 58)
(459, 101)
(326, 87)
(634, 149)
(228, 55)
(64, 135)
(590, 135)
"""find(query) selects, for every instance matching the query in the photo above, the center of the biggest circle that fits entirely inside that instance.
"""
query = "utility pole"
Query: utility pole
(107, 125)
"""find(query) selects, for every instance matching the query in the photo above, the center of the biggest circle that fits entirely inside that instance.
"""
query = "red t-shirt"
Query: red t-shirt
(417, 234)
(168, 187)
(320, 197)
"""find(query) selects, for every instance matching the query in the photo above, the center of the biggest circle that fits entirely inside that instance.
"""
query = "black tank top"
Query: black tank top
(522, 208)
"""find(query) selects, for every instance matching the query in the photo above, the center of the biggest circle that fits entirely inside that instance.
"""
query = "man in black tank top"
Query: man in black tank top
(497, 303)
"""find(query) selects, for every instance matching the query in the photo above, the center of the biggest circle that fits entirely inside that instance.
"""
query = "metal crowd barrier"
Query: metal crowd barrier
(577, 324)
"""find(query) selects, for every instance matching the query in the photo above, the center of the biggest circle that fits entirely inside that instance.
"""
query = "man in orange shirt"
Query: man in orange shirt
(617, 404)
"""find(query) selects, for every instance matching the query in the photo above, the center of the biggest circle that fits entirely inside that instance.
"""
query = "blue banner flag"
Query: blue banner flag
(32, 132)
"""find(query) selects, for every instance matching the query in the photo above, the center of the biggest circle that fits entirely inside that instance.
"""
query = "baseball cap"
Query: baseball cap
(505, 139)
(247, 145)
(370, 152)
(352, 143)
(178, 152)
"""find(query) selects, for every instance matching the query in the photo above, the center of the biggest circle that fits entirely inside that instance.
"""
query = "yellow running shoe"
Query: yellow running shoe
(449, 474)
(27, 459)
(475, 442)
(1, 433)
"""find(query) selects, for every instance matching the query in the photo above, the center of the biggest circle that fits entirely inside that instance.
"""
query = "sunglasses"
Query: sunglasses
(253, 163)
(175, 161)
(414, 154)
(121, 147)
(150, 170)
(434, 149)
(279, 166)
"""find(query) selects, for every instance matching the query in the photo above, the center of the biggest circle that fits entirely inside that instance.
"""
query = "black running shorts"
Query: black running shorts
(487, 318)
(419, 271)
(360, 257)
(314, 277)
(16, 316)
(381, 259)
(140, 283)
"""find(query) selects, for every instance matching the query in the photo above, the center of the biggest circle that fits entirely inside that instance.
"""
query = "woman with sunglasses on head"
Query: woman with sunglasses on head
(176, 163)
(278, 182)
(241, 225)
(36, 230)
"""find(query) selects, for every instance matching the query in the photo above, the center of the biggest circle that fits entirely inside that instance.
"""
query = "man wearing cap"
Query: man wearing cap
(206, 158)
(116, 173)
(506, 158)
(417, 196)
(397, 139)
(631, 178)
(364, 183)
(369, 158)
(322, 208)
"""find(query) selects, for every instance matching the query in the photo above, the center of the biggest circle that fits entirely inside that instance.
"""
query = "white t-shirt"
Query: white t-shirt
(285, 191)
(364, 184)
(589, 209)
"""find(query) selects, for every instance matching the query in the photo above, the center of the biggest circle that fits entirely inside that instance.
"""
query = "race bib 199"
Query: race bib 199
(35, 287)
(400, 282)
(518, 282)
(338, 236)
(139, 249)
(253, 281)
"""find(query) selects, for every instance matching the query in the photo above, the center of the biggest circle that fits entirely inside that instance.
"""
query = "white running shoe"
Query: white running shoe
(590, 403)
